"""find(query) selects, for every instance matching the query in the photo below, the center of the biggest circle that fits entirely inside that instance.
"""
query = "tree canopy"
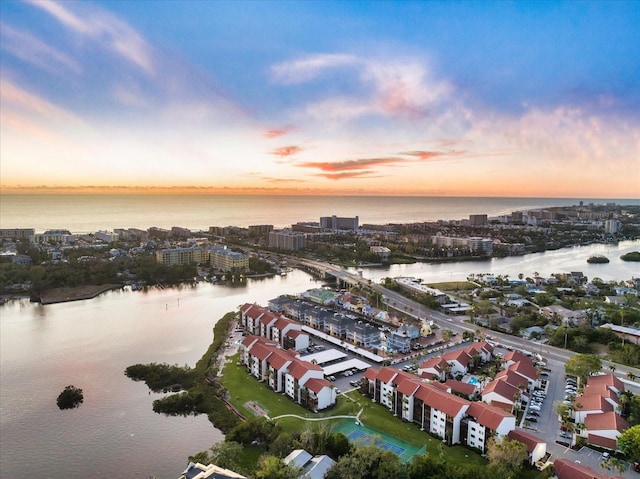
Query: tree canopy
(629, 442)
(70, 398)
(583, 365)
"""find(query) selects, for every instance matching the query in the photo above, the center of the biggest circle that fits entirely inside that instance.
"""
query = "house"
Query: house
(363, 334)
(603, 429)
(459, 361)
(500, 393)
(434, 368)
(592, 404)
(398, 341)
(603, 383)
(631, 335)
(483, 421)
(466, 390)
(564, 316)
(312, 467)
(536, 447)
(200, 471)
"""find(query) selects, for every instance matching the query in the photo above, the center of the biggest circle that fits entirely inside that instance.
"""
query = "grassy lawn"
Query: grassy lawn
(378, 417)
(453, 286)
(243, 387)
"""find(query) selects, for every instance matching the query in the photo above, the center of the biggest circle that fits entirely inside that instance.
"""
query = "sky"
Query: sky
(421, 98)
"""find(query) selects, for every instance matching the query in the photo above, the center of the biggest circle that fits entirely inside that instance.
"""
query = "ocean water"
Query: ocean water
(90, 213)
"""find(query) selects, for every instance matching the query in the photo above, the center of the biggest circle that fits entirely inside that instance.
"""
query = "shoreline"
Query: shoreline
(80, 293)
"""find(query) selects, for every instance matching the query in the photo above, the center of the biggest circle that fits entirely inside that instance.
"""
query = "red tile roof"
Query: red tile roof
(515, 356)
(436, 363)
(459, 355)
(316, 384)
(283, 322)
(408, 388)
(279, 359)
(386, 375)
(512, 378)
(605, 421)
(487, 416)
(293, 334)
(592, 403)
(501, 388)
(526, 369)
(460, 387)
(371, 374)
(526, 438)
(268, 317)
(607, 380)
(298, 368)
(602, 441)
(260, 351)
(450, 404)
(568, 469)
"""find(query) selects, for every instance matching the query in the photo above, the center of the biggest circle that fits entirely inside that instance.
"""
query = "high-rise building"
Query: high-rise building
(287, 239)
(477, 220)
(336, 223)
(612, 227)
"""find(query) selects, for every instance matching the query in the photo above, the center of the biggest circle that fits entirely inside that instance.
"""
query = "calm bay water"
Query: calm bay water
(90, 213)
(115, 433)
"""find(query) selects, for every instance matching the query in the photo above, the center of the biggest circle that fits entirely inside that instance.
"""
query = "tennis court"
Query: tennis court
(363, 435)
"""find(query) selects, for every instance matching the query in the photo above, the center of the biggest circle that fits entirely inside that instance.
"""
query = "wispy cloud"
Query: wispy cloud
(31, 49)
(309, 68)
(381, 87)
(284, 151)
(434, 155)
(18, 99)
(352, 165)
(278, 132)
(345, 175)
(104, 28)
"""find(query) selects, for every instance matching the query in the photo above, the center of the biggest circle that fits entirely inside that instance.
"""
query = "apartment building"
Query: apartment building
(435, 409)
(287, 240)
(17, 234)
(178, 256)
(224, 259)
(283, 371)
(336, 223)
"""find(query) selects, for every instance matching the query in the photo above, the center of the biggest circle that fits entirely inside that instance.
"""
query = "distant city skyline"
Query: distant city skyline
(438, 98)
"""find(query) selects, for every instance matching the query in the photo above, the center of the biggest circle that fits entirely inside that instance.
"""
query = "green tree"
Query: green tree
(629, 442)
(70, 398)
(507, 456)
(583, 365)
(225, 454)
(272, 467)
(368, 462)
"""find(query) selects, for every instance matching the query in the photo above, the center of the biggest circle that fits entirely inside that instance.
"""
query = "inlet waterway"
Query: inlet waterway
(114, 433)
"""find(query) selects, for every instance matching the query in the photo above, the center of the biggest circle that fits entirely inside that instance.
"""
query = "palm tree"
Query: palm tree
(631, 376)
(612, 368)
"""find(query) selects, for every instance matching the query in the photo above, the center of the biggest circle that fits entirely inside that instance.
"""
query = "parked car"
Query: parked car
(531, 419)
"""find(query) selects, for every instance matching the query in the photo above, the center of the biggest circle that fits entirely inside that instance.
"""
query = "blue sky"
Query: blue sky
(435, 98)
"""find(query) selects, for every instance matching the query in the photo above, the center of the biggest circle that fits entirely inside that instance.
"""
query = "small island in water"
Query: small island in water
(632, 256)
(70, 398)
(597, 259)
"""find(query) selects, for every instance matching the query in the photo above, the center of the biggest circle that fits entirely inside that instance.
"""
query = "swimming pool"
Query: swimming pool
(473, 380)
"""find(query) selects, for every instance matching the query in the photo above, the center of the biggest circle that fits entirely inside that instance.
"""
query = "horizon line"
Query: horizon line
(253, 191)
